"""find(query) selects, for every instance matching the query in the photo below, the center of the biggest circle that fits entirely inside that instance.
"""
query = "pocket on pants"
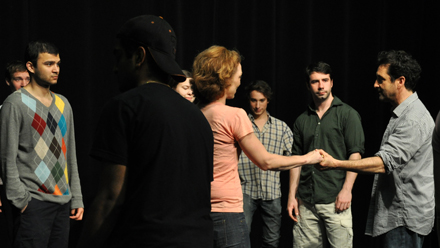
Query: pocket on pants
(219, 233)
(348, 226)
(347, 223)
(230, 230)
(28, 207)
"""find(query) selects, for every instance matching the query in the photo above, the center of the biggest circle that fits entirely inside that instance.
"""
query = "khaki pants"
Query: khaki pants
(320, 226)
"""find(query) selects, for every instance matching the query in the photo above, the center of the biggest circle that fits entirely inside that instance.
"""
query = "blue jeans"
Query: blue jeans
(402, 237)
(230, 230)
(271, 216)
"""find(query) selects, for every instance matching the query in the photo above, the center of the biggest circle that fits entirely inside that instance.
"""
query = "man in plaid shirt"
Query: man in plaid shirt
(261, 189)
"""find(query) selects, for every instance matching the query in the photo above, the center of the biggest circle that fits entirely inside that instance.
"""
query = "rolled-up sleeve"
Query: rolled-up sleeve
(402, 144)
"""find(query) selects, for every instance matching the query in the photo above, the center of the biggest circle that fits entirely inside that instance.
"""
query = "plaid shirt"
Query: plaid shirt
(277, 138)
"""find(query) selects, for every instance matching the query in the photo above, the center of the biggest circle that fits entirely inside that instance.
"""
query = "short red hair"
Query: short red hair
(211, 69)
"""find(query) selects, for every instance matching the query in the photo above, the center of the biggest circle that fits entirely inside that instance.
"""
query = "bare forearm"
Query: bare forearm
(256, 152)
(350, 177)
(366, 165)
(280, 163)
(292, 203)
(295, 174)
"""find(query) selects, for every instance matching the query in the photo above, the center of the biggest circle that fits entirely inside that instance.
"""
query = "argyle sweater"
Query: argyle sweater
(38, 154)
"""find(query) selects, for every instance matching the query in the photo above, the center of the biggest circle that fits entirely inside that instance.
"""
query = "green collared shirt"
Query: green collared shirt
(339, 132)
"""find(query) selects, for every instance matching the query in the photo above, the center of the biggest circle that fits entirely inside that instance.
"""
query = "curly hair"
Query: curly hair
(211, 69)
(401, 64)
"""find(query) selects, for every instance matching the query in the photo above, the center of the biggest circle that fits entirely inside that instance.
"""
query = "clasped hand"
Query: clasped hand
(326, 161)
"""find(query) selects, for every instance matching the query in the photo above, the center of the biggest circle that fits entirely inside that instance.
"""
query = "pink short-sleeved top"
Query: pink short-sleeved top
(228, 125)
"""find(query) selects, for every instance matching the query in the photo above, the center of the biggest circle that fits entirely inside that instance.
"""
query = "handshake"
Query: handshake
(321, 159)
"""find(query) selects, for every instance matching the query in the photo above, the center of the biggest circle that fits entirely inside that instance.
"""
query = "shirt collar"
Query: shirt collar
(269, 118)
(401, 107)
(336, 102)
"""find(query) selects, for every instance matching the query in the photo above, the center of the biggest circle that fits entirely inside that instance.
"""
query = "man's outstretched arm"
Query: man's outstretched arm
(366, 165)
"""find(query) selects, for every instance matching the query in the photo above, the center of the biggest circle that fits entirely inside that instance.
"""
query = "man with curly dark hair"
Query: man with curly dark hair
(402, 203)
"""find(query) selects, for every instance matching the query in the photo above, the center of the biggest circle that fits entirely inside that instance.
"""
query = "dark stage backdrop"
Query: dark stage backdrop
(277, 38)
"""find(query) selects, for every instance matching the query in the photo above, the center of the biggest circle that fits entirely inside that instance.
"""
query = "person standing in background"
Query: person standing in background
(320, 201)
(262, 189)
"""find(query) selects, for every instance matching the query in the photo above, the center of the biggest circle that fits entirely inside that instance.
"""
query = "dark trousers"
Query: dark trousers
(401, 237)
(43, 224)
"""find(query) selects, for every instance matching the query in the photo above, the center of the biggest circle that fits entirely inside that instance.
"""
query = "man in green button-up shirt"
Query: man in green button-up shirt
(320, 200)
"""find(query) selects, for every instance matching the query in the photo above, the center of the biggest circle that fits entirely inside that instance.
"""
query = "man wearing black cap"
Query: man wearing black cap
(156, 148)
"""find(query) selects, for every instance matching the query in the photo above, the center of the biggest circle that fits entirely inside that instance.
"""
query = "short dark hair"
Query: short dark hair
(320, 67)
(401, 64)
(34, 48)
(260, 86)
(13, 67)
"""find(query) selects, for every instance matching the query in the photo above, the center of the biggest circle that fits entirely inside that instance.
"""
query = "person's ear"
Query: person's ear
(400, 82)
(30, 67)
(140, 56)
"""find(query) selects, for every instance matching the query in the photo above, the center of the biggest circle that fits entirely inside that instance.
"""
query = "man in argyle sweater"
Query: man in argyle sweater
(38, 155)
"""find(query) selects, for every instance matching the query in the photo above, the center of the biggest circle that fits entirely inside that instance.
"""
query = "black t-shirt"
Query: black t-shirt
(167, 145)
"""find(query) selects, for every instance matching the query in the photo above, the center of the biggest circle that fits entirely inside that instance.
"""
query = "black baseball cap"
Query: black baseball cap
(158, 36)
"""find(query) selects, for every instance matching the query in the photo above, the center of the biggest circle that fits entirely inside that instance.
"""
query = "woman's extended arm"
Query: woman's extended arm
(257, 153)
